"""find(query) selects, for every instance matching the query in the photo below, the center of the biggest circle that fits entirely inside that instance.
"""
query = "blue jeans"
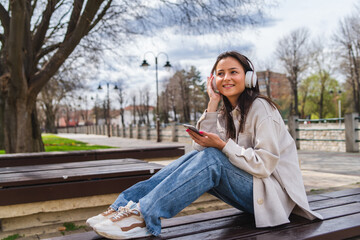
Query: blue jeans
(180, 183)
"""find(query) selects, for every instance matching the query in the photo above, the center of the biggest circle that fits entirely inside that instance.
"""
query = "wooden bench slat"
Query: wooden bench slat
(142, 153)
(79, 236)
(241, 226)
(29, 159)
(312, 198)
(30, 178)
(46, 192)
(166, 223)
(332, 210)
(337, 228)
(336, 201)
(342, 193)
(314, 204)
(47, 167)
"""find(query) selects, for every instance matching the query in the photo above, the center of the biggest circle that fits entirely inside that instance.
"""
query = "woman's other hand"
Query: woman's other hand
(214, 97)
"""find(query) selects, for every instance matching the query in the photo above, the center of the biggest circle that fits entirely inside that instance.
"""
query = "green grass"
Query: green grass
(11, 237)
(69, 226)
(54, 143)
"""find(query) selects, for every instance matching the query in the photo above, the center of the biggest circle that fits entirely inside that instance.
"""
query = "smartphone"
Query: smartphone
(192, 128)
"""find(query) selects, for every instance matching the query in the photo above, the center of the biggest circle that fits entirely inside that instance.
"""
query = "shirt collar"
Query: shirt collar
(236, 112)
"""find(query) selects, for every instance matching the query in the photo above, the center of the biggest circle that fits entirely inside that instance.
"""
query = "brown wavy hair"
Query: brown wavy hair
(246, 98)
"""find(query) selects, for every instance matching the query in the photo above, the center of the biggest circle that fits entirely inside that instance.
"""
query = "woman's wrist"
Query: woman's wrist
(212, 106)
(221, 145)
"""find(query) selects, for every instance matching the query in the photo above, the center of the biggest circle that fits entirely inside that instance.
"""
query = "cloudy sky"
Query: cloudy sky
(320, 16)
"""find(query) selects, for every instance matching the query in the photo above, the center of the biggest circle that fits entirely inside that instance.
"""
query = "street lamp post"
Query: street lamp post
(86, 112)
(339, 105)
(167, 66)
(108, 106)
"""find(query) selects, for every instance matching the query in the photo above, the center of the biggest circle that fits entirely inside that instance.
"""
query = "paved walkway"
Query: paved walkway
(321, 170)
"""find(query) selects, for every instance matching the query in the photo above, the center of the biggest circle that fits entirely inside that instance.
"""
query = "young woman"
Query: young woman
(244, 156)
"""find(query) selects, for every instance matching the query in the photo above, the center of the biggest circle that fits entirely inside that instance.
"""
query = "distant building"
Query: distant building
(274, 85)
(129, 115)
(277, 87)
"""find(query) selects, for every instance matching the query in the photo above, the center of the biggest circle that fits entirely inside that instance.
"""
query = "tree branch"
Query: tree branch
(100, 16)
(47, 50)
(5, 20)
(78, 4)
(66, 48)
(40, 34)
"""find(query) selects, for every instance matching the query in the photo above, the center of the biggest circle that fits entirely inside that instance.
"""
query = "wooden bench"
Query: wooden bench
(341, 212)
(25, 184)
(28, 159)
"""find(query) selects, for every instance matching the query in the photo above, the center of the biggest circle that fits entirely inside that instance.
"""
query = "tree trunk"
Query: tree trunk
(2, 109)
(303, 105)
(22, 132)
(122, 117)
(50, 126)
(296, 98)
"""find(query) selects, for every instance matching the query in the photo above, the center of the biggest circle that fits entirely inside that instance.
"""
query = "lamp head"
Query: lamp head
(145, 65)
(167, 66)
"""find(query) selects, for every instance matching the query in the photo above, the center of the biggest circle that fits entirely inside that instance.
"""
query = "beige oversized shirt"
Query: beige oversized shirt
(267, 151)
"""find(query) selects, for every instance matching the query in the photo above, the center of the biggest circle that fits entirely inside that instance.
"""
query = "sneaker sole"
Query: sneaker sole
(128, 235)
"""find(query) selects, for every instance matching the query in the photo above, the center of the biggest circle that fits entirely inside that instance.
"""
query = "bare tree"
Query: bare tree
(121, 97)
(184, 95)
(304, 89)
(293, 52)
(197, 96)
(64, 83)
(184, 90)
(37, 37)
(165, 100)
(133, 100)
(323, 67)
(172, 94)
(348, 39)
(146, 94)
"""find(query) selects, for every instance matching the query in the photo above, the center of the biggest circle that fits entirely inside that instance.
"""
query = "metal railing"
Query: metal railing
(357, 129)
(321, 120)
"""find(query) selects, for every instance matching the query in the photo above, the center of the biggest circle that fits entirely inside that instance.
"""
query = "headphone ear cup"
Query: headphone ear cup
(214, 85)
(250, 79)
(254, 79)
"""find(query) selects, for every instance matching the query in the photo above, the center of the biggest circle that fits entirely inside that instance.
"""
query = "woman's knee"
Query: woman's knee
(211, 151)
(212, 155)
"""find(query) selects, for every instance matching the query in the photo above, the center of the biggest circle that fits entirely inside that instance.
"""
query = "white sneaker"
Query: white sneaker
(91, 222)
(124, 225)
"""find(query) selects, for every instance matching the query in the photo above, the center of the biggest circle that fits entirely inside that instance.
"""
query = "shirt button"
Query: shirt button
(260, 201)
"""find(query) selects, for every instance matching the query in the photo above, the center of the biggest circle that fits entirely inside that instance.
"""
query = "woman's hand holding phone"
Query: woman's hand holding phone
(205, 139)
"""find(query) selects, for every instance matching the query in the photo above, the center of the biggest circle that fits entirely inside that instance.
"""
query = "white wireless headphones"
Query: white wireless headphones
(250, 76)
